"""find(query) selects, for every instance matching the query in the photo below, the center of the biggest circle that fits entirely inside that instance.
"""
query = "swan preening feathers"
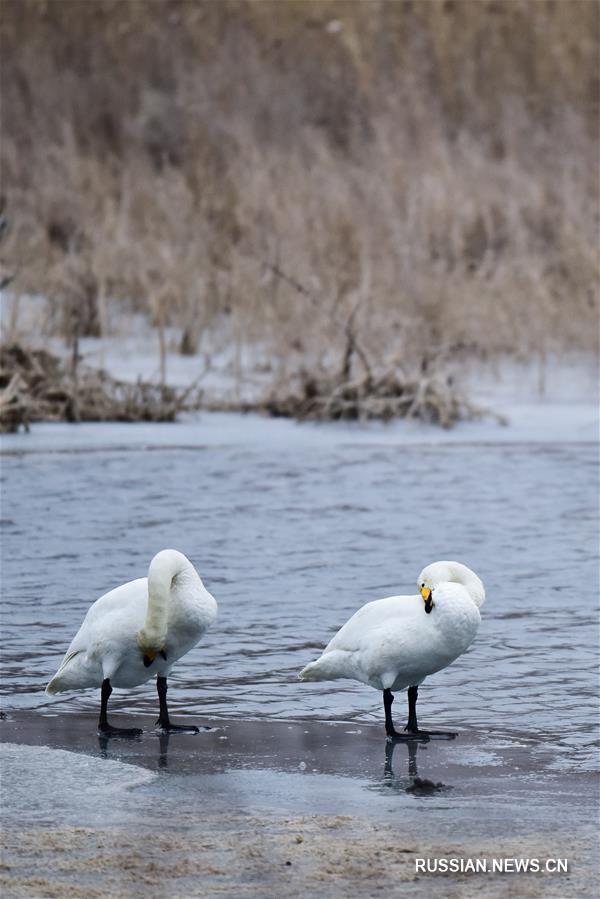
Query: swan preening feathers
(138, 631)
(394, 643)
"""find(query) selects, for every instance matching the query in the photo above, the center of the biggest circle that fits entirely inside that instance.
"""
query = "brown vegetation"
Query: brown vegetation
(431, 395)
(36, 386)
(431, 398)
(423, 171)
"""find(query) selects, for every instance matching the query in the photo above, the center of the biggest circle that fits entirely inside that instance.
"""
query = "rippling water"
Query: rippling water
(291, 541)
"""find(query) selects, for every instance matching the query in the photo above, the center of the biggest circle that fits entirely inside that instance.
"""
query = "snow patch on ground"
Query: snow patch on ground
(45, 786)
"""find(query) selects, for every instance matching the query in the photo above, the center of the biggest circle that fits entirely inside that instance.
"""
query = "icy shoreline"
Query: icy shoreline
(566, 422)
(306, 808)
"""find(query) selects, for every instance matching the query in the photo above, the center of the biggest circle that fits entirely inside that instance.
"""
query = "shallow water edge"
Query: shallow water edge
(243, 801)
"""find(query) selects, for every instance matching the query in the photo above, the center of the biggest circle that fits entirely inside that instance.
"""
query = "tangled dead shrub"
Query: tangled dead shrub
(37, 386)
(431, 398)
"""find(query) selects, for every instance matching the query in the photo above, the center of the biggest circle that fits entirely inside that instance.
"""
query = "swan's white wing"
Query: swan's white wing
(127, 600)
(388, 642)
(393, 611)
(399, 653)
(110, 624)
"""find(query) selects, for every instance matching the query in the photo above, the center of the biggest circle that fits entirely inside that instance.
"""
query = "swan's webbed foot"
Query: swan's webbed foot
(166, 727)
(434, 734)
(412, 726)
(104, 728)
(411, 731)
(164, 722)
(406, 736)
(107, 730)
(409, 735)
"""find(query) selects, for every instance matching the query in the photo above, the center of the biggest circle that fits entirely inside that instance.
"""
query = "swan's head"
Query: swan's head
(453, 572)
(151, 645)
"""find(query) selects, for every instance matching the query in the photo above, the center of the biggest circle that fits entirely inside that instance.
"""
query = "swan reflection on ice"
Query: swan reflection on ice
(412, 783)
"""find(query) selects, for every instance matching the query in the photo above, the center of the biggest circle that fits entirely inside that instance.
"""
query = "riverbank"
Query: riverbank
(554, 388)
(250, 808)
(553, 398)
(530, 423)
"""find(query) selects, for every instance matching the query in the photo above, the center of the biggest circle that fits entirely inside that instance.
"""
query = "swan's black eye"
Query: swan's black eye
(422, 585)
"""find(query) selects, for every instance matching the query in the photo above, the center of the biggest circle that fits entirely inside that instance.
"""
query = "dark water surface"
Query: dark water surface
(291, 540)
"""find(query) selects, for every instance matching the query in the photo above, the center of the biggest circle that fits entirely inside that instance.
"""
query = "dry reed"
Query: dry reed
(424, 171)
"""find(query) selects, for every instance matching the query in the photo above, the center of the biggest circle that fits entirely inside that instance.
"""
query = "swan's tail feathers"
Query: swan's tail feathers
(66, 677)
(330, 666)
(311, 672)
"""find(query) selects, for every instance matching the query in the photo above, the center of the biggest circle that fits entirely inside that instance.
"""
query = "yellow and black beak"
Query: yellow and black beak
(427, 598)
(151, 655)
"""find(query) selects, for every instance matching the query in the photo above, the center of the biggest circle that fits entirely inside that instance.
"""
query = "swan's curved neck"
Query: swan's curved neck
(164, 570)
(469, 579)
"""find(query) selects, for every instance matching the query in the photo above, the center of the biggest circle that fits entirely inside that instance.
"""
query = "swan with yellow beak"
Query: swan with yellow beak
(138, 631)
(394, 643)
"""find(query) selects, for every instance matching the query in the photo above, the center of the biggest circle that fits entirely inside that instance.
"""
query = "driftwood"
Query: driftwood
(35, 385)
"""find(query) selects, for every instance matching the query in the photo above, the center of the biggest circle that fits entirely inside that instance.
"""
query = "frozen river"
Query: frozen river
(291, 536)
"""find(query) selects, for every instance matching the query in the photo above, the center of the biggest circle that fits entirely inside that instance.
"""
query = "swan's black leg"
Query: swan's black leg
(388, 699)
(163, 715)
(390, 730)
(413, 693)
(413, 728)
(103, 726)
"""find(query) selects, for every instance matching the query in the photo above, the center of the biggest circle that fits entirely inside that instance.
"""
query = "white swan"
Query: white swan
(137, 631)
(394, 643)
